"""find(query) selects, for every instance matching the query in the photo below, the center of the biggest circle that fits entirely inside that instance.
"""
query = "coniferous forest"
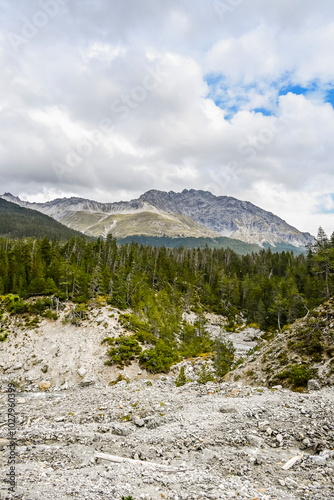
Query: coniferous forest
(266, 288)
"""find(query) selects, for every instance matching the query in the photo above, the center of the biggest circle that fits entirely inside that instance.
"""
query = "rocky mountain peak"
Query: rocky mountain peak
(220, 215)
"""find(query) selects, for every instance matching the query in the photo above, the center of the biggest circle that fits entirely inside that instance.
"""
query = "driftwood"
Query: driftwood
(290, 463)
(121, 460)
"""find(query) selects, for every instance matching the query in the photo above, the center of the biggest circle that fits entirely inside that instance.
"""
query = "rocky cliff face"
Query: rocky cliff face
(228, 216)
(204, 212)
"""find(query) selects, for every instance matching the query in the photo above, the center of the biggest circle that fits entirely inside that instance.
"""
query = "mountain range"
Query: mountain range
(189, 214)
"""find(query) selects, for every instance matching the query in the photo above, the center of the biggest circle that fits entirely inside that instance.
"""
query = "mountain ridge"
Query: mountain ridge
(190, 213)
(21, 222)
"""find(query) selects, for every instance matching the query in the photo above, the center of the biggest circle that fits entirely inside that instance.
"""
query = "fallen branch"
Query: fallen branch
(293, 461)
(121, 460)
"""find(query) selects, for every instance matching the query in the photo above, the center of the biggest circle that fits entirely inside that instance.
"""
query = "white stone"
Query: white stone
(82, 371)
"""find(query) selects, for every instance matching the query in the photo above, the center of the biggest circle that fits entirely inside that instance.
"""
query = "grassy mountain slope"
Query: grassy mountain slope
(19, 222)
(139, 223)
(302, 351)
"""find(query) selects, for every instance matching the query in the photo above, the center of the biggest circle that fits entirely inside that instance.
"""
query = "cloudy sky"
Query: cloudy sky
(106, 99)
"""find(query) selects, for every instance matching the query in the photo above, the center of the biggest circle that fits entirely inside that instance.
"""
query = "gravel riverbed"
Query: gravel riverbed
(215, 441)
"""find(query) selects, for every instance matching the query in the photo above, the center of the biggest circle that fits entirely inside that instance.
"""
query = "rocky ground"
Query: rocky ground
(217, 441)
(307, 343)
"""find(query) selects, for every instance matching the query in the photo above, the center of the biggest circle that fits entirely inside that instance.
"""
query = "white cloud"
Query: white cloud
(298, 208)
(94, 61)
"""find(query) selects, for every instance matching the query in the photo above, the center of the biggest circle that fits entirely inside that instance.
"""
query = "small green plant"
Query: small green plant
(76, 315)
(3, 335)
(231, 326)
(253, 325)
(50, 315)
(181, 379)
(120, 378)
(127, 498)
(253, 350)
(205, 375)
(237, 363)
(32, 323)
(15, 384)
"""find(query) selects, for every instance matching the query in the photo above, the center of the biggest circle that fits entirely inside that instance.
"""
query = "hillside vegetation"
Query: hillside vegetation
(237, 246)
(155, 286)
(19, 222)
(270, 289)
(302, 351)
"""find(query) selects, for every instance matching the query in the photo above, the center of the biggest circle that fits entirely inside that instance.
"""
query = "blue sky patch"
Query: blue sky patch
(294, 89)
(330, 97)
(264, 111)
(234, 98)
(326, 207)
(323, 92)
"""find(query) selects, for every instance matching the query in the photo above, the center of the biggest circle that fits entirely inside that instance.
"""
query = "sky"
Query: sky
(106, 99)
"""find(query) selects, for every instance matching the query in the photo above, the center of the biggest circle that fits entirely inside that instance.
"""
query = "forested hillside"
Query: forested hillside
(237, 246)
(19, 222)
(270, 289)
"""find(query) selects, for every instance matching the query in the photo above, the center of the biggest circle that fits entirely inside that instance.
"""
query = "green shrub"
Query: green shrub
(231, 327)
(297, 375)
(253, 325)
(205, 375)
(181, 379)
(32, 323)
(224, 357)
(76, 315)
(133, 322)
(195, 340)
(123, 350)
(3, 335)
(145, 337)
(14, 304)
(159, 359)
(50, 315)
(237, 363)
(39, 306)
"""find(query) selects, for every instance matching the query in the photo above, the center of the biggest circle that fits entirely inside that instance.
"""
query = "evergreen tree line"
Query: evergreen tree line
(270, 289)
(20, 222)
